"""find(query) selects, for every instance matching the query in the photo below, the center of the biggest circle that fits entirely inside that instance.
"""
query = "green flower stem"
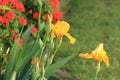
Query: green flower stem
(49, 61)
(44, 44)
(21, 31)
(96, 75)
(39, 22)
(52, 46)
(51, 43)
(97, 71)
(49, 58)
(51, 39)
(43, 71)
(58, 44)
(46, 36)
(56, 48)
(18, 41)
(42, 49)
(36, 72)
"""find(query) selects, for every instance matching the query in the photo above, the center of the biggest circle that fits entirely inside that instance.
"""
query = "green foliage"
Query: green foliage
(12, 60)
(54, 67)
(19, 56)
(53, 78)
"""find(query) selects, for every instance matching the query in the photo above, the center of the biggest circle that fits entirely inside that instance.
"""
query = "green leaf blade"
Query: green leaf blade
(57, 66)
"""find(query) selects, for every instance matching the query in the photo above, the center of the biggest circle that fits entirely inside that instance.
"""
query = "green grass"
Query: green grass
(92, 22)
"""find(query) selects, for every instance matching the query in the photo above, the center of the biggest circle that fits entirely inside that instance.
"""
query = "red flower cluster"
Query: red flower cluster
(54, 3)
(34, 30)
(10, 15)
(35, 15)
(23, 21)
(18, 6)
(15, 37)
(20, 41)
(57, 15)
(4, 20)
(15, 4)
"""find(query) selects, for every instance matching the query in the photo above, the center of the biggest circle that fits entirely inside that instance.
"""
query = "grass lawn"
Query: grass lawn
(92, 22)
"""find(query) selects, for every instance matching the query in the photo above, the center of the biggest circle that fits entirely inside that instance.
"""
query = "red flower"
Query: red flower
(4, 20)
(4, 2)
(35, 15)
(34, 30)
(15, 37)
(19, 6)
(2, 10)
(20, 42)
(23, 21)
(10, 15)
(54, 3)
(57, 15)
(1, 20)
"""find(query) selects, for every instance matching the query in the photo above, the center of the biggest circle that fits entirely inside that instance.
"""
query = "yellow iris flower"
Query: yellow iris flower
(99, 55)
(61, 29)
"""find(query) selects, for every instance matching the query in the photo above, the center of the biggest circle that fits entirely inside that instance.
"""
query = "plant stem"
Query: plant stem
(97, 71)
(57, 46)
(43, 71)
(96, 75)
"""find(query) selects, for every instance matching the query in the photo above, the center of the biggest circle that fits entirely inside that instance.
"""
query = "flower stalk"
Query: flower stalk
(43, 71)
(97, 71)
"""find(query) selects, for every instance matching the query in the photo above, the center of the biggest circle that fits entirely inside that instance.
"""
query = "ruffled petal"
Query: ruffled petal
(85, 55)
(72, 40)
(106, 60)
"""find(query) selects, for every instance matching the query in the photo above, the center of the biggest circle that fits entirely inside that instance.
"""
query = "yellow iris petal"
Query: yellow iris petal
(85, 55)
(99, 55)
(72, 40)
(61, 29)
(106, 60)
